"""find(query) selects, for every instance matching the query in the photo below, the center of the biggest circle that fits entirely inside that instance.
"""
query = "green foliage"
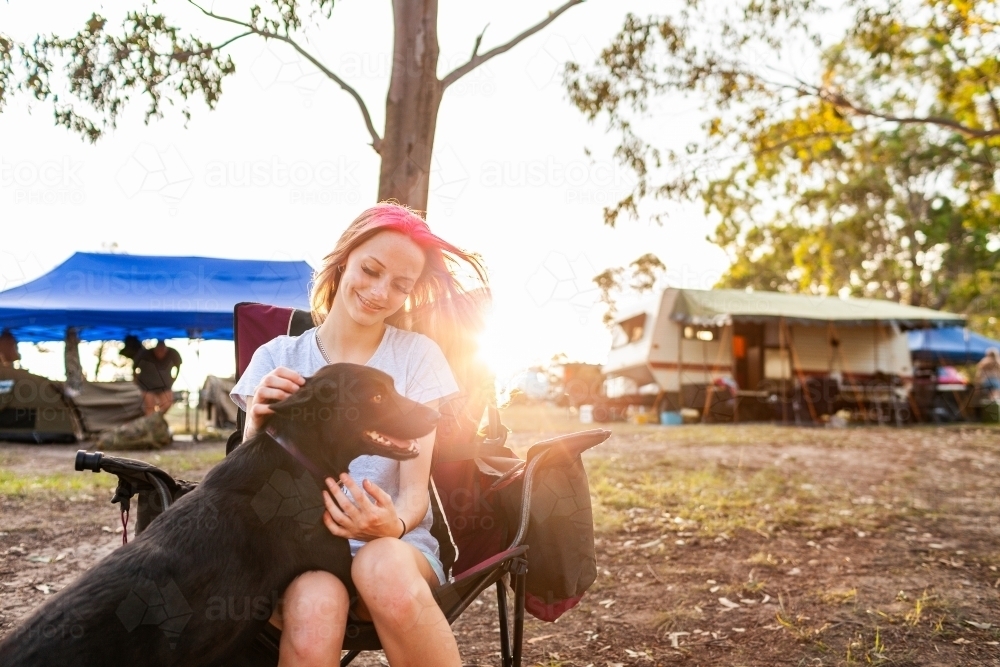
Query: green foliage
(91, 76)
(640, 277)
(875, 175)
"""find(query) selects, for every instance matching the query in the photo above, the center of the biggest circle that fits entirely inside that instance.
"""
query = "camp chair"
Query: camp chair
(479, 543)
(476, 541)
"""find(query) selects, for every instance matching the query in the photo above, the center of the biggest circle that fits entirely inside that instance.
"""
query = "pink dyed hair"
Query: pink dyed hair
(439, 306)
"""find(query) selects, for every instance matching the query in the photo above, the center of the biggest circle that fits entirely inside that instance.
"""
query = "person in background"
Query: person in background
(155, 372)
(8, 349)
(988, 374)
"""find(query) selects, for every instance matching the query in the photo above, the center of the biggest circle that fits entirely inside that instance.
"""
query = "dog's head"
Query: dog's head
(348, 410)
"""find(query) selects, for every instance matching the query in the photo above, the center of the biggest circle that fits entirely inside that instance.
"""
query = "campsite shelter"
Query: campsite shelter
(108, 296)
(682, 340)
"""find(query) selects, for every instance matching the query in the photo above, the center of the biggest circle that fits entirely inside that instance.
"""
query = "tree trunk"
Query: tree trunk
(411, 106)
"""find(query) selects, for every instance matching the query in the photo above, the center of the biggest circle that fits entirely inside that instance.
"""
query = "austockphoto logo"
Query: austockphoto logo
(43, 183)
(381, 65)
(139, 281)
(598, 182)
(324, 182)
(149, 170)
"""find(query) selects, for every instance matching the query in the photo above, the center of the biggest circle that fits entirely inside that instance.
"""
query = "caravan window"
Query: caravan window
(628, 331)
(704, 334)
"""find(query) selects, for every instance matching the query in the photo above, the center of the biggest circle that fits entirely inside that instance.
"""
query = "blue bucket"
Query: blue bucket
(671, 418)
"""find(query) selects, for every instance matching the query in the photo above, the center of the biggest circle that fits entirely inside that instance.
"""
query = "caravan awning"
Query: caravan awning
(724, 306)
(108, 296)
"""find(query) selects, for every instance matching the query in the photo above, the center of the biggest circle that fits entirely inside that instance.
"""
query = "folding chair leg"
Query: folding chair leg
(520, 570)
(505, 655)
(347, 659)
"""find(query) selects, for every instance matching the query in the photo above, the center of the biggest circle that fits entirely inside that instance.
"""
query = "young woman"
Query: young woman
(386, 296)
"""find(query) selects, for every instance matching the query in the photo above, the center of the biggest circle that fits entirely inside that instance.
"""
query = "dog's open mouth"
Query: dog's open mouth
(409, 446)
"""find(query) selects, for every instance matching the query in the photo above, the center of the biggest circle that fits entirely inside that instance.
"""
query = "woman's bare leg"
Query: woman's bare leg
(394, 580)
(312, 619)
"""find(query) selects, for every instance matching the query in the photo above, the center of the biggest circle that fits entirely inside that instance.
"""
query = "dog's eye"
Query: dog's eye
(377, 398)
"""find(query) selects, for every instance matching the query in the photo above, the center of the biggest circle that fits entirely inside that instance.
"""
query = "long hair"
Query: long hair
(439, 306)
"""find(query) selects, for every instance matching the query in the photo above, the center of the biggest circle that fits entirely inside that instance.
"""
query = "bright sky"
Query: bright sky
(511, 177)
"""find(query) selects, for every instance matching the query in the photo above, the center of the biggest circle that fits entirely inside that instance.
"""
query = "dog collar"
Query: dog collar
(296, 454)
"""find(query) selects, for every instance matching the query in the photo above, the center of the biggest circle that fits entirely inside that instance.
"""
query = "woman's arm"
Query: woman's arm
(414, 476)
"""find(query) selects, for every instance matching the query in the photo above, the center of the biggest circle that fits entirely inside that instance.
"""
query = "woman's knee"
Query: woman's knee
(313, 616)
(315, 594)
(389, 581)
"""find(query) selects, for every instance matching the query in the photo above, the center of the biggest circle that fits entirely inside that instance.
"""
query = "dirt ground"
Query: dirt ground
(717, 545)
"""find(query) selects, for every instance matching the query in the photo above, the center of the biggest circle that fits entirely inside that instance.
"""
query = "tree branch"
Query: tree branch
(477, 60)
(376, 139)
(839, 101)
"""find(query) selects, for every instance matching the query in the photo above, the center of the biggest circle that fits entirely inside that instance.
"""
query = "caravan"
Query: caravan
(734, 355)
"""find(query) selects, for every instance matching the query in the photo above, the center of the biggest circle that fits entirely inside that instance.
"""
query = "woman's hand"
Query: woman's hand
(363, 518)
(276, 386)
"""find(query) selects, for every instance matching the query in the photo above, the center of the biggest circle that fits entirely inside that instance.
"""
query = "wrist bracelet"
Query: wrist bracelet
(404, 527)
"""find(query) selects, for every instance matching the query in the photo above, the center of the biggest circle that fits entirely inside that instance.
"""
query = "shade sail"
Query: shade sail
(950, 345)
(723, 306)
(108, 296)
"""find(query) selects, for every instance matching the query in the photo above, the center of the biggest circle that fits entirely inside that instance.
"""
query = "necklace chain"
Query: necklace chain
(322, 350)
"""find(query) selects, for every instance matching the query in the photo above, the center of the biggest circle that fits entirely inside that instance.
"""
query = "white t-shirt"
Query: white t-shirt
(419, 371)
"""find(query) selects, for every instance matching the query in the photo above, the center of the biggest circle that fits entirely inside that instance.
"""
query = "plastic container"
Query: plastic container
(668, 418)
(586, 414)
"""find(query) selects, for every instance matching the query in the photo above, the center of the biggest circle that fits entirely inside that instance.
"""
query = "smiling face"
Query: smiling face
(378, 276)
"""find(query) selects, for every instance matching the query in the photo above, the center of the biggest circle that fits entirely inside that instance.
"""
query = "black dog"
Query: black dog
(198, 585)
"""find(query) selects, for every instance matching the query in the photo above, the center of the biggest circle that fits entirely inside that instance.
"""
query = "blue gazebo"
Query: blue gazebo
(108, 296)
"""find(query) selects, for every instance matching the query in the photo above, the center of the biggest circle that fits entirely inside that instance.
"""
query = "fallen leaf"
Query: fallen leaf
(39, 559)
(628, 543)
(766, 599)
(739, 629)
(607, 603)
(647, 545)
(961, 640)
(981, 626)
(674, 636)
(795, 571)
(106, 529)
(746, 601)
(60, 557)
(44, 588)
(535, 640)
(726, 602)
(936, 545)
(714, 589)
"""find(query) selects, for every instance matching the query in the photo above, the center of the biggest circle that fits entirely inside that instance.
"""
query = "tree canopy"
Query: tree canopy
(90, 77)
(867, 168)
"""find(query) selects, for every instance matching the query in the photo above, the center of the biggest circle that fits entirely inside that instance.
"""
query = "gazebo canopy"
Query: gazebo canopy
(951, 345)
(108, 296)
